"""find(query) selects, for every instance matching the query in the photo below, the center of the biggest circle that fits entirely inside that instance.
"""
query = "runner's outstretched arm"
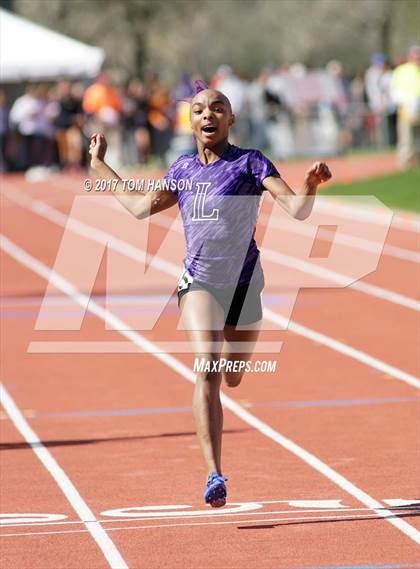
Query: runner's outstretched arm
(298, 204)
(140, 204)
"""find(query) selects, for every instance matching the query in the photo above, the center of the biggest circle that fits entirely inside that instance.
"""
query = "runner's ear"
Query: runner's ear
(232, 120)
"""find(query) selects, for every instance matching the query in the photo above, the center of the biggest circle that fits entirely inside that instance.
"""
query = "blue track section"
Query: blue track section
(185, 409)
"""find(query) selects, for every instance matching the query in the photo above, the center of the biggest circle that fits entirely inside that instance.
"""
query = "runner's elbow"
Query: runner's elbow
(298, 211)
(301, 214)
(143, 210)
(141, 214)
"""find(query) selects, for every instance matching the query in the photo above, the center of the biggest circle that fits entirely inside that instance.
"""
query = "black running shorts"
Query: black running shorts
(241, 305)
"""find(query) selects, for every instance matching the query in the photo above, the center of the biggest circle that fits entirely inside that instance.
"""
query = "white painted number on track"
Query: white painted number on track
(30, 518)
(154, 511)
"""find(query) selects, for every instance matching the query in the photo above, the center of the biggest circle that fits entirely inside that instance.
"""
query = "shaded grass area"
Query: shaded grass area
(398, 191)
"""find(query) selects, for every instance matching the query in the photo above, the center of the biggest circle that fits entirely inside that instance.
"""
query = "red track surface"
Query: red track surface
(140, 450)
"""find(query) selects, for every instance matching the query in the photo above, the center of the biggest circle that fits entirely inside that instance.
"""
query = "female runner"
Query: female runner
(219, 291)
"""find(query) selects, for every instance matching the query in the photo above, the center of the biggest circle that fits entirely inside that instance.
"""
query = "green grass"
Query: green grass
(399, 191)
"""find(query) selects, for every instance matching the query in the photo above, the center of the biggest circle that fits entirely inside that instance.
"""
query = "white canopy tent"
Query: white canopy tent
(31, 52)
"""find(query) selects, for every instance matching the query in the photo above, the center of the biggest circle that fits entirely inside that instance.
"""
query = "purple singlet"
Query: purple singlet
(219, 206)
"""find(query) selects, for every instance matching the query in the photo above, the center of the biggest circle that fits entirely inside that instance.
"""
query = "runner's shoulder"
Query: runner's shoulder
(247, 153)
(183, 161)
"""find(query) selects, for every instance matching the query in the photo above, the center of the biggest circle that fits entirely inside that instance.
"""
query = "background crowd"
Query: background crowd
(287, 111)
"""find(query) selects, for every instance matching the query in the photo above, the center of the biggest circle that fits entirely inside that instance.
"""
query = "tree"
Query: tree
(198, 35)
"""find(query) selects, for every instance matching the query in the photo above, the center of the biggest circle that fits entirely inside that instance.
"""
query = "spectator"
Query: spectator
(32, 115)
(235, 90)
(159, 117)
(405, 89)
(77, 92)
(355, 120)
(136, 134)
(69, 122)
(103, 104)
(257, 105)
(373, 77)
(4, 132)
(339, 101)
(280, 100)
(101, 97)
(389, 107)
(182, 141)
(22, 118)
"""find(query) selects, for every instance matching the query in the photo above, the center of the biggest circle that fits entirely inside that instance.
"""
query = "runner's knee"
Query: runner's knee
(234, 369)
(206, 366)
(233, 379)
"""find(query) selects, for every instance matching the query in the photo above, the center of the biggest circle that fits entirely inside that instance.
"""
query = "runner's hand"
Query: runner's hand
(97, 148)
(317, 173)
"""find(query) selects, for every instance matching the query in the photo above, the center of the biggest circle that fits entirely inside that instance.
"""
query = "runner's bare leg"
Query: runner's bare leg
(202, 317)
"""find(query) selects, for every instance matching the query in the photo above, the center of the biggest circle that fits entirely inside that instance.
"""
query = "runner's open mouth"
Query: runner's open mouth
(209, 129)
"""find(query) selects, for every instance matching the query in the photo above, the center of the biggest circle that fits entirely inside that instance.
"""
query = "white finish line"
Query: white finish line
(185, 511)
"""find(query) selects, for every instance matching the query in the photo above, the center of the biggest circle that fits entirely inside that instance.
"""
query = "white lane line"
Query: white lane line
(338, 346)
(124, 329)
(400, 253)
(340, 279)
(345, 239)
(259, 522)
(63, 302)
(364, 211)
(55, 216)
(406, 220)
(105, 544)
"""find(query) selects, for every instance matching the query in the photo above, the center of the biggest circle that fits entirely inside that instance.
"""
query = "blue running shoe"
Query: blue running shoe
(215, 493)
